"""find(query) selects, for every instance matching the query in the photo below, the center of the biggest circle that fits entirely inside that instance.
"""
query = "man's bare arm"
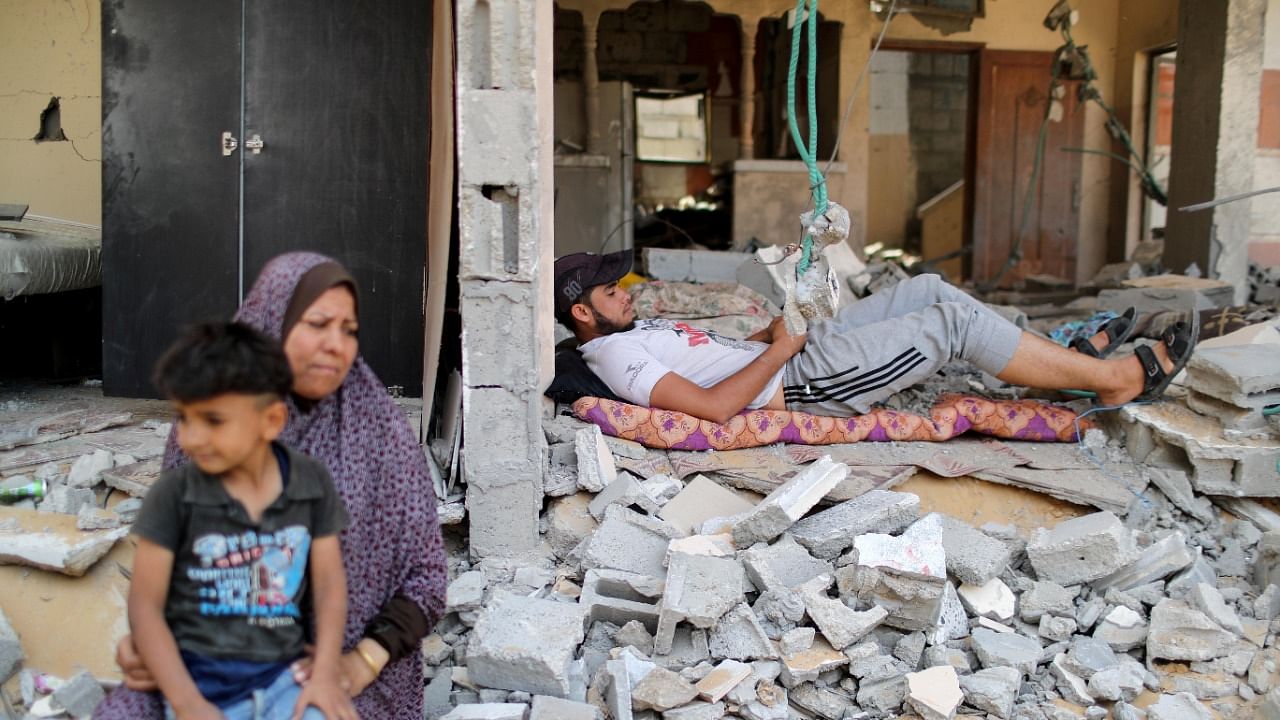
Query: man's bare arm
(728, 397)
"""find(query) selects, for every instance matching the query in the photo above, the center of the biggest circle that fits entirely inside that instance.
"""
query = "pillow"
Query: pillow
(573, 379)
(951, 416)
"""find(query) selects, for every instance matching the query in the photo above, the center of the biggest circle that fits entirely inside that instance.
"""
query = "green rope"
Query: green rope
(808, 151)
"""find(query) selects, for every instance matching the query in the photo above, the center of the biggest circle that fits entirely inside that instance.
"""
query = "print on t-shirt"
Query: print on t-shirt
(255, 575)
(695, 336)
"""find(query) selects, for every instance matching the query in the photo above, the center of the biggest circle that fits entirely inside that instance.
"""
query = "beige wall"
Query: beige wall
(52, 49)
(1018, 25)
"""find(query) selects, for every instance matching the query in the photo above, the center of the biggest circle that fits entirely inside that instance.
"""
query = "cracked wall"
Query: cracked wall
(52, 50)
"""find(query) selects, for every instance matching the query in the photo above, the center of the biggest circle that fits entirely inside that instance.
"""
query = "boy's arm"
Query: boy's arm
(329, 595)
(148, 590)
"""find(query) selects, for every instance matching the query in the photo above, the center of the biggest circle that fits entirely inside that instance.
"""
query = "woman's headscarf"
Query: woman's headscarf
(393, 544)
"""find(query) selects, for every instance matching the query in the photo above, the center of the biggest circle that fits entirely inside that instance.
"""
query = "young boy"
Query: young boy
(235, 547)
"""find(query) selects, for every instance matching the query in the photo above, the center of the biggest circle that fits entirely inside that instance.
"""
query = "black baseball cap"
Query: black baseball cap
(579, 272)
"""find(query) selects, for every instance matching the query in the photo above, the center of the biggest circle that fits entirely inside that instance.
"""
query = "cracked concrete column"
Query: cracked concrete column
(504, 130)
(747, 111)
(1215, 136)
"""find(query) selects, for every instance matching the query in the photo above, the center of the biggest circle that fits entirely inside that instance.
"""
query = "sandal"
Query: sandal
(1118, 329)
(1180, 339)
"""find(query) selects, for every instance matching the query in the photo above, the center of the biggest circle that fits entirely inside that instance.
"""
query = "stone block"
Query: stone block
(503, 519)
(466, 592)
(629, 541)
(806, 666)
(1206, 598)
(552, 708)
(1168, 292)
(781, 508)
(569, 522)
(783, 565)
(498, 226)
(1235, 371)
(699, 590)
(739, 636)
(722, 679)
(661, 690)
(995, 649)
(1180, 632)
(698, 266)
(625, 491)
(840, 624)
(934, 693)
(79, 695)
(830, 532)
(522, 643)
(1071, 686)
(1122, 629)
(10, 648)
(499, 334)
(620, 597)
(993, 690)
(905, 575)
(596, 468)
(1081, 549)
(86, 470)
(701, 500)
(1045, 597)
(494, 127)
(1159, 560)
(973, 557)
(992, 599)
(488, 711)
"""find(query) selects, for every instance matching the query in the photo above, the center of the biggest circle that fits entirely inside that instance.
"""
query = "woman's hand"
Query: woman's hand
(136, 675)
(326, 695)
(354, 674)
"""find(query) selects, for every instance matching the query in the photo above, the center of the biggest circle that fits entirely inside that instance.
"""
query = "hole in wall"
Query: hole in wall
(51, 123)
(509, 219)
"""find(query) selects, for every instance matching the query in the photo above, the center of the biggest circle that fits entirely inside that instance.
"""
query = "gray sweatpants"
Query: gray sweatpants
(892, 340)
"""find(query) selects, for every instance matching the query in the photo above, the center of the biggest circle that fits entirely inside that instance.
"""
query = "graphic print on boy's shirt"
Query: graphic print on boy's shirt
(250, 574)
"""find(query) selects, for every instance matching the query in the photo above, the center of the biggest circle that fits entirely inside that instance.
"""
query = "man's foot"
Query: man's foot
(1151, 368)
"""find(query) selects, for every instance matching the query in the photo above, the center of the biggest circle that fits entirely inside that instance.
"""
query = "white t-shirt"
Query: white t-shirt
(632, 362)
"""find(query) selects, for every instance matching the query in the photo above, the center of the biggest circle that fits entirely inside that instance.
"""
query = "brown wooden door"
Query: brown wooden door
(1013, 88)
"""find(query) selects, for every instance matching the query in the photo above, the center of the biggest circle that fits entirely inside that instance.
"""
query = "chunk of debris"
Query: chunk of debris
(992, 599)
(1071, 686)
(783, 565)
(79, 695)
(905, 575)
(1208, 600)
(701, 500)
(830, 532)
(488, 711)
(1182, 706)
(1161, 559)
(739, 636)
(1122, 629)
(522, 643)
(466, 592)
(94, 518)
(553, 708)
(1081, 549)
(935, 693)
(568, 523)
(625, 491)
(696, 710)
(841, 625)
(996, 649)
(1180, 632)
(806, 666)
(661, 690)
(86, 469)
(722, 679)
(10, 648)
(992, 690)
(58, 545)
(973, 557)
(781, 508)
(635, 634)
(135, 479)
(627, 540)
(699, 589)
(596, 468)
(621, 597)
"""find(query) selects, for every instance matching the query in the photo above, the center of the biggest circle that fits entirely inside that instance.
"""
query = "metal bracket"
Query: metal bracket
(255, 144)
(229, 143)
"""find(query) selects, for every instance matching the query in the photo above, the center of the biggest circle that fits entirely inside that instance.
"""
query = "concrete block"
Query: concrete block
(1230, 467)
(662, 488)
(783, 565)
(906, 575)
(1206, 598)
(1168, 292)
(973, 557)
(1177, 487)
(701, 500)
(552, 708)
(840, 624)
(1071, 686)
(625, 491)
(522, 643)
(688, 648)
(70, 553)
(885, 696)
(713, 545)
(1232, 416)
(513, 444)
(696, 710)
(503, 519)
(1081, 549)
(1122, 629)
(87, 468)
(1123, 681)
(67, 500)
(934, 693)
(952, 623)
(1006, 649)
(993, 599)
(620, 597)
(661, 690)
(1181, 706)
(466, 592)
(1180, 632)
(1088, 656)
(781, 508)
(436, 696)
(993, 690)
(796, 640)
(629, 541)
(488, 711)
(697, 266)
(1234, 370)
(806, 666)
(821, 702)
(699, 589)
(10, 648)
(79, 695)
(1046, 597)
(494, 128)
(830, 532)
(499, 334)
(569, 522)
(1159, 560)
(1056, 629)
(636, 635)
(739, 636)
(722, 679)
(596, 469)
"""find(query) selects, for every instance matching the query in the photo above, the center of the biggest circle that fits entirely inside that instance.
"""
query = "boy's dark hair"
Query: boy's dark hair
(565, 316)
(217, 358)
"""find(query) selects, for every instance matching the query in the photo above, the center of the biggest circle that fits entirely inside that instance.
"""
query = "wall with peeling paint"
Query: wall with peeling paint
(52, 49)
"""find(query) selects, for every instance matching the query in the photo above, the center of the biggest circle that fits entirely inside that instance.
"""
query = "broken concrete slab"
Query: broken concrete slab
(621, 597)
(934, 693)
(781, 508)
(1181, 706)
(1208, 600)
(1045, 597)
(783, 565)
(1162, 558)
(79, 695)
(995, 649)
(993, 690)
(739, 636)
(569, 522)
(662, 488)
(552, 708)
(488, 711)
(1235, 371)
(629, 541)
(1180, 632)
(135, 479)
(522, 643)
(1177, 487)
(94, 518)
(973, 557)
(625, 491)
(699, 590)
(1056, 629)
(1123, 681)
(466, 592)
(840, 624)
(992, 599)
(53, 542)
(10, 648)
(906, 575)
(701, 500)
(688, 648)
(713, 545)
(1122, 629)
(596, 469)
(830, 532)
(722, 679)
(696, 710)
(822, 702)
(661, 690)
(1179, 293)
(86, 469)
(806, 666)
(1071, 686)
(1235, 467)
(952, 623)
(1081, 549)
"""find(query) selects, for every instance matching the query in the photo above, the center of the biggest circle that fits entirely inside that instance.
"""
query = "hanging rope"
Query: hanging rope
(808, 150)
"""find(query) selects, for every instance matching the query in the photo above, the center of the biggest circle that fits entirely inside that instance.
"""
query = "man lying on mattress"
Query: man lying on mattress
(870, 350)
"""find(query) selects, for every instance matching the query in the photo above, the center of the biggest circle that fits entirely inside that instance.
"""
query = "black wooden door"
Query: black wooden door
(170, 217)
(339, 93)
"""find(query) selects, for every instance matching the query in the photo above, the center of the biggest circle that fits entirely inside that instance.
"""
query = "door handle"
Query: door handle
(229, 143)
(255, 144)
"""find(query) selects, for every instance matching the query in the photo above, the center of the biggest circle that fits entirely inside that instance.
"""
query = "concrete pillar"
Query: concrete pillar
(1215, 136)
(504, 112)
(747, 108)
(591, 81)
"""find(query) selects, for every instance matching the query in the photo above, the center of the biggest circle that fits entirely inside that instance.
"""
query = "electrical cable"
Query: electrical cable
(633, 219)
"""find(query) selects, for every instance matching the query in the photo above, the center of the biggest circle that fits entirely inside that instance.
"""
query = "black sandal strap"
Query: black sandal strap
(1177, 338)
(1082, 345)
(1153, 373)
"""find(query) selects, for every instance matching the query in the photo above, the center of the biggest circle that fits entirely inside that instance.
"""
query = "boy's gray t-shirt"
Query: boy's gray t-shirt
(238, 588)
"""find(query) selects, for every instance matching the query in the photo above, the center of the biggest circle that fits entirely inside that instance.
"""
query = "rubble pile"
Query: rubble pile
(672, 599)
